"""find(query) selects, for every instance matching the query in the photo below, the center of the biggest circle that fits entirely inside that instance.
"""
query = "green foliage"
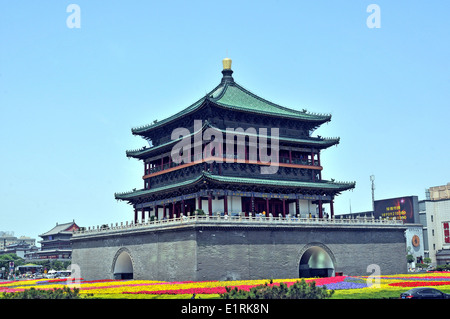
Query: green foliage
(299, 290)
(443, 268)
(33, 293)
(54, 264)
(6, 258)
(199, 212)
(409, 258)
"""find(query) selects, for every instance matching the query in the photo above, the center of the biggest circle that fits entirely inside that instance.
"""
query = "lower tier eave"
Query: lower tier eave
(207, 182)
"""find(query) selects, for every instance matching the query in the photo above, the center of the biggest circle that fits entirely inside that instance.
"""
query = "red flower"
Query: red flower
(419, 283)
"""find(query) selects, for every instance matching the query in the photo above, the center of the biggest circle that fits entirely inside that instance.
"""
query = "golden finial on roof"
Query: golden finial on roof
(226, 64)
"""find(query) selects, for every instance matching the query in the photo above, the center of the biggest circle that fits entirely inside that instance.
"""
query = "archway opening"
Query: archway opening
(123, 267)
(316, 262)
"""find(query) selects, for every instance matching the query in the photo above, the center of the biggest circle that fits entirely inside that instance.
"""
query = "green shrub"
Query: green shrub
(443, 267)
(199, 212)
(422, 266)
(299, 290)
(33, 293)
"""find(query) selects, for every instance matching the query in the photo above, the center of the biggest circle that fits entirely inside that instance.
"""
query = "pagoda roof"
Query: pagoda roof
(230, 95)
(66, 228)
(311, 141)
(324, 185)
(234, 96)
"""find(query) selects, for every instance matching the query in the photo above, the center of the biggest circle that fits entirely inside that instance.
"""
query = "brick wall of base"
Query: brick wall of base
(223, 252)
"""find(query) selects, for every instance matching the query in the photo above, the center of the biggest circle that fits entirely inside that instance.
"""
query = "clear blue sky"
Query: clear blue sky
(70, 96)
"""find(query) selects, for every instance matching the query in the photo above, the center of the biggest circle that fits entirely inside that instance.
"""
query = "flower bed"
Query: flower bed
(345, 286)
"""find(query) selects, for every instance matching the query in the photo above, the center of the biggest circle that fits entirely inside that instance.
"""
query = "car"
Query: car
(424, 293)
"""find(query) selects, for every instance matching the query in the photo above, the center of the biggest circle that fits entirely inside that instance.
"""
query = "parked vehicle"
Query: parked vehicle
(424, 293)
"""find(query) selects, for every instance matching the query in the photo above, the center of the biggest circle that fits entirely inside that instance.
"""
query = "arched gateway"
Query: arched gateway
(123, 265)
(316, 260)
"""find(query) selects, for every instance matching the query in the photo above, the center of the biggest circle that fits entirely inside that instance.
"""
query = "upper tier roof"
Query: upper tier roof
(66, 228)
(229, 94)
(318, 142)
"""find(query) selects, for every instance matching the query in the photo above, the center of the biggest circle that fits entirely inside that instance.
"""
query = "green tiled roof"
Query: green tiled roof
(326, 185)
(143, 192)
(314, 141)
(233, 96)
(140, 153)
(189, 109)
(237, 97)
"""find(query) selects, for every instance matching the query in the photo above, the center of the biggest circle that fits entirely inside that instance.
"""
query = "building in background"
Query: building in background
(435, 217)
(406, 209)
(9, 244)
(432, 215)
(55, 243)
(7, 238)
(21, 249)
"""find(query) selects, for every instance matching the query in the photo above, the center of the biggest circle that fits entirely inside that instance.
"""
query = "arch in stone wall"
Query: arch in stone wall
(122, 265)
(316, 260)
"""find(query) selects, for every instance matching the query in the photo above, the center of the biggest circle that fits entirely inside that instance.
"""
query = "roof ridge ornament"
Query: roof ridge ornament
(227, 72)
(226, 64)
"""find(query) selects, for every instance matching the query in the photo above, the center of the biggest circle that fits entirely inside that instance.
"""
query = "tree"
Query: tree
(7, 258)
(409, 258)
(57, 265)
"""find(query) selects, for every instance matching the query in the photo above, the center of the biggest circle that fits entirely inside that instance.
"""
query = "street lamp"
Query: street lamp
(372, 179)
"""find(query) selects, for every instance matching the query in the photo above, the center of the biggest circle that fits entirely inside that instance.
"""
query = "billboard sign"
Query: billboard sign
(401, 208)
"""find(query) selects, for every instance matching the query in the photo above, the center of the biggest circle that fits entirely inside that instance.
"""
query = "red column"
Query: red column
(135, 215)
(267, 206)
(174, 214)
(182, 207)
(332, 209)
(143, 214)
(284, 207)
(225, 204)
(312, 163)
(290, 157)
(199, 199)
(320, 209)
(210, 204)
(252, 203)
(318, 160)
